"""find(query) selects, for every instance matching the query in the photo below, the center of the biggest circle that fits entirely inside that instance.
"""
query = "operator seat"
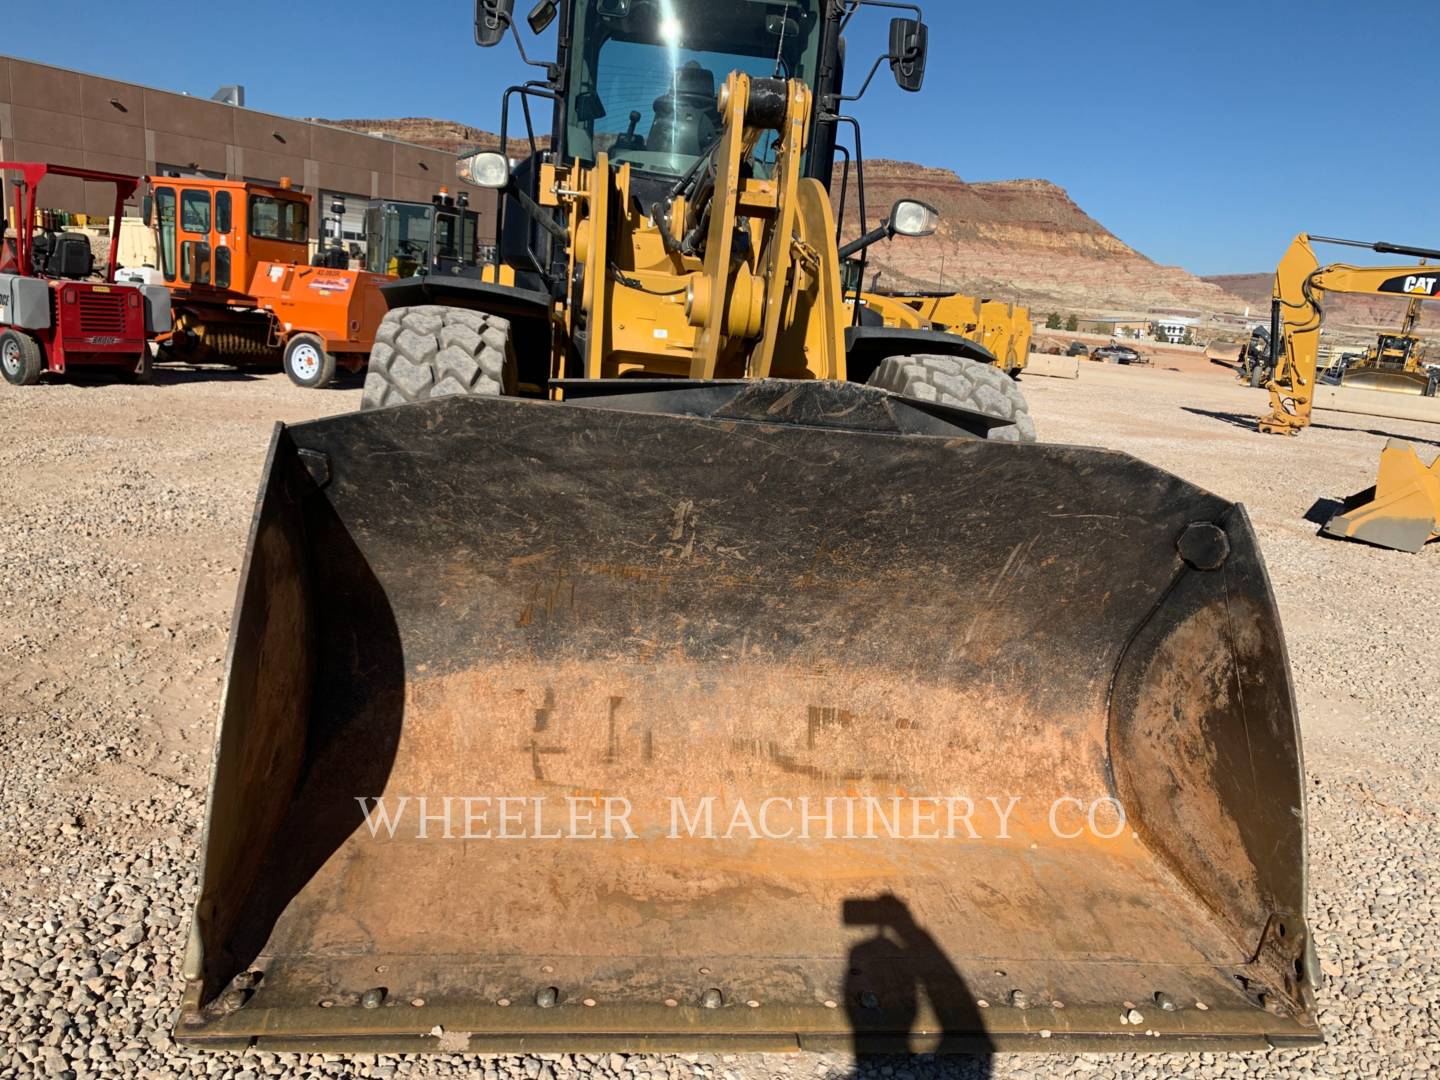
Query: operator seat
(71, 257)
(686, 120)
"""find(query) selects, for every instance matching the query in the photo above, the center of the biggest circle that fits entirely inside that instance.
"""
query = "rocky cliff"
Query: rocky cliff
(1021, 239)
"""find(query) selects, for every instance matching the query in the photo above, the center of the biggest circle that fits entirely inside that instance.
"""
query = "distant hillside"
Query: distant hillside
(1021, 240)
(448, 135)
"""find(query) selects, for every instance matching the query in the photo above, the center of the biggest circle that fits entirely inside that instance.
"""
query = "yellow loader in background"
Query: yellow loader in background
(661, 661)
(1003, 330)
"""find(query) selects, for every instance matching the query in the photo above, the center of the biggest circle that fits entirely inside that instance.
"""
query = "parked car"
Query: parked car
(1078, 348)
(1116, 354)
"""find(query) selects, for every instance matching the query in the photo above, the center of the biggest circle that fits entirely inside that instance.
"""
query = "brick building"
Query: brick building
(67, 117)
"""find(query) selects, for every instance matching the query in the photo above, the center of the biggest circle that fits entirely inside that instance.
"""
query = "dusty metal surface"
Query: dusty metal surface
(589, 611)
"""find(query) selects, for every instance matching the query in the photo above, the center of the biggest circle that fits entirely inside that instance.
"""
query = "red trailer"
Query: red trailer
(56, 311)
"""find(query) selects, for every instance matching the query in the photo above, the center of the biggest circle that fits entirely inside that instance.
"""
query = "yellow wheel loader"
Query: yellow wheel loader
(662, 661)
(1396, 362)
(1001, 330)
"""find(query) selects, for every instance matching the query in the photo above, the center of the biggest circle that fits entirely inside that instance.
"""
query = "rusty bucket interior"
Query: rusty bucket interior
(802, 720)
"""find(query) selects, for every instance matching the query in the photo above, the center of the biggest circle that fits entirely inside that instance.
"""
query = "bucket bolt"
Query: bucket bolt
(373, 998)
(547, 997)
(1204, 546)
(1164, 1000)
(712, 999)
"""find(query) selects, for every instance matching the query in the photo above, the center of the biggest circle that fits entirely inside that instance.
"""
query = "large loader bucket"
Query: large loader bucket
(805, 720)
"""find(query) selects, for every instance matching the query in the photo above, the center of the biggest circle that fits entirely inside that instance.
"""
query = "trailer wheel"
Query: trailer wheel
(1258, 375)
(20, 358)
(307, 363)
(969, 384)
(432, 351)
(143, 373)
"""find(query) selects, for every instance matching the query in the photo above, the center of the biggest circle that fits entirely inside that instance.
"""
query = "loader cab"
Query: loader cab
(638, 80)
(403, 239)
(1394, 351)
(210, 234)
(644, 75)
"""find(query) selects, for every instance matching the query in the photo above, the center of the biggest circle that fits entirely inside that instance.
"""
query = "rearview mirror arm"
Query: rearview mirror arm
(883, 57)
(880, 232)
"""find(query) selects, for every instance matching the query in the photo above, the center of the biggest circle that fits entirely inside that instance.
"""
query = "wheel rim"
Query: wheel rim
(305, 361)
(10, 356)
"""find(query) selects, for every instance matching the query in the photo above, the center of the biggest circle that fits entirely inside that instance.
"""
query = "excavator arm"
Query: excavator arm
(1402, 510)
(1300, 286)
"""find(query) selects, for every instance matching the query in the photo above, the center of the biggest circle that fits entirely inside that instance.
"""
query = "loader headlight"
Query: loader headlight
(911, 218)
(489, 170)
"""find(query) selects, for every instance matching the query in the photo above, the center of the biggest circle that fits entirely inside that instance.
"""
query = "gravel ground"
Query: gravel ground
(123, 523)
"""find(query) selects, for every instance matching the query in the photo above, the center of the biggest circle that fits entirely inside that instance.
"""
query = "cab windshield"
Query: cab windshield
(645, 73)
(402, 238)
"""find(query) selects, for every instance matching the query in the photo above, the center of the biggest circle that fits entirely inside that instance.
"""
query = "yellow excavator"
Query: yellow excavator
(663, 659)
(1402, 510)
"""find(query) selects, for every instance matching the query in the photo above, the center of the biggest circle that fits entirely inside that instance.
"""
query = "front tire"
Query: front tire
(307, 363)
(432, 351)
(966, 384)
(20, 358)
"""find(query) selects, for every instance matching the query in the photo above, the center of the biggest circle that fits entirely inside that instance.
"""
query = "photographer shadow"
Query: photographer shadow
(885, 975)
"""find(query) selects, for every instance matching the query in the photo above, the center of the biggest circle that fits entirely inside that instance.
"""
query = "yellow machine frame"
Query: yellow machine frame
(654, 309)
(1300, 282)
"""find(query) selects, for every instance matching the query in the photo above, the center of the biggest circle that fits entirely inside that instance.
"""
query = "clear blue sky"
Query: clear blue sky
(1203, 133)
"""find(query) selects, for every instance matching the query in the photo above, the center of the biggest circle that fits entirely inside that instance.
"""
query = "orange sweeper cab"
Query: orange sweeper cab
(236, 257)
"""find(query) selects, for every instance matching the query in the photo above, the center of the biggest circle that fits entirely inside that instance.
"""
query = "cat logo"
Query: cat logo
(1425, 286)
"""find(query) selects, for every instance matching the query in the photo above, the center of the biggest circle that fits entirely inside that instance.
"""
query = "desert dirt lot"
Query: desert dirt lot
(123, 513)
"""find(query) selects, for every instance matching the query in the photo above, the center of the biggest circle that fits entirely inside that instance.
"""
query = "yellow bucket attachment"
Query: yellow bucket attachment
(1402, 510)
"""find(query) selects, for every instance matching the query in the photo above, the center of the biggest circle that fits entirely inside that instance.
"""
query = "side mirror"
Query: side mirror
(541, 16)
(147, 209)
(588, 106)
(782, 26)
(909, 39)
(492, 20)
(487, 169)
